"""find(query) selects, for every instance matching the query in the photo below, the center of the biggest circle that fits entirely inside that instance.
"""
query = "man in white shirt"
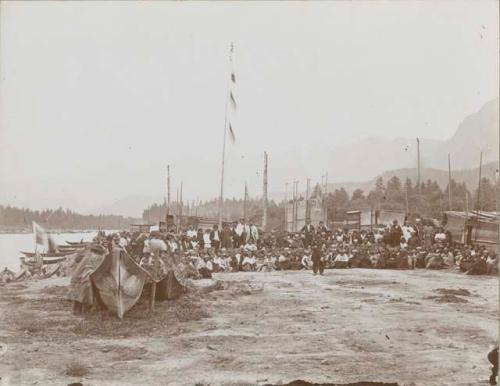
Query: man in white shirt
(215, 238)
(250, 246)
(249, 263)
(342, 260)
(207, 243)
(191, 232)
(306, 260)
(254, 232)
(239, 230)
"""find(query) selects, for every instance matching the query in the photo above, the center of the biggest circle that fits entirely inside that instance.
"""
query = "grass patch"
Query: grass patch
(76, 369)
(447, 299)
(456, 292)
(139, 321)
(58, 290)
(30, 325)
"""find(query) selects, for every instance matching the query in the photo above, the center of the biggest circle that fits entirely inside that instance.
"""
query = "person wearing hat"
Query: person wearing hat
(308, 232)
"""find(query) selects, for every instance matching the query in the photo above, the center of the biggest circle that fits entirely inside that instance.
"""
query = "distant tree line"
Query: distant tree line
(233, 210)
(426, 199)
(21, 218)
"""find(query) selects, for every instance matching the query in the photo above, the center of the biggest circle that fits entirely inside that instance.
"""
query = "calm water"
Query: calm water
(12, 243)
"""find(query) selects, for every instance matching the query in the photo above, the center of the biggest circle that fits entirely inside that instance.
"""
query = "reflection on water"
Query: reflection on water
(12, 243)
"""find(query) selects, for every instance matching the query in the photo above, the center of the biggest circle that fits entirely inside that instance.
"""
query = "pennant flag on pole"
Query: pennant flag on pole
(231, 133)
(233, 101)
(41, 237)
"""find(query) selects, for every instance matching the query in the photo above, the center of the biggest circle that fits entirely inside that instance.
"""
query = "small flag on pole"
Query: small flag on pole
(233, 101)
(231, 133)
(41, 237)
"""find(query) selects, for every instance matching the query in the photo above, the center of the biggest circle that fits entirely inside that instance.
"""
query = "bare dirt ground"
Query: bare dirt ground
(407, 327)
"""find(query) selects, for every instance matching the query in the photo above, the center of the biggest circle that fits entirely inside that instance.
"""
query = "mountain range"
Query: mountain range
(478, 132)
(358, 165)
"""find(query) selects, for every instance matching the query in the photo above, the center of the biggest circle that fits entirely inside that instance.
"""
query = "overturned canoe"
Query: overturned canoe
(118, 281)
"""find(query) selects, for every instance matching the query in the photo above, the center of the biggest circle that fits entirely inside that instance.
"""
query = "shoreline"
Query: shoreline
(49, 230)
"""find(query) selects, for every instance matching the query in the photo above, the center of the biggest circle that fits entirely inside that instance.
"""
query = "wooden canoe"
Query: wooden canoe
(55, 254)
(119, 282)
(65, 248)
(78, 243)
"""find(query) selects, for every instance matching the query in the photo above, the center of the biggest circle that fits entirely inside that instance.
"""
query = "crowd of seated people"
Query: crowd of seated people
(242, 247)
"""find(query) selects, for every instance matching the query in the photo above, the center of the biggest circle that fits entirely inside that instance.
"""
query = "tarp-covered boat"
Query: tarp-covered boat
(119, 282)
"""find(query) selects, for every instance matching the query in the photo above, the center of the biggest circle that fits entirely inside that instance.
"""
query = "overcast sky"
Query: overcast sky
(97, 98)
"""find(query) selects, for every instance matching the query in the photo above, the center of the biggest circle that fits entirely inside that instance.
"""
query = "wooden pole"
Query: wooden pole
(449, 182)
(307, 198)
(293, 207)
(221, 198)
(245, 198)
(419, 190)
(325, 202)
(286, 206)
(466, 203)
(264, 195)
(478, 204)
(177, 210)
(168, 190)
(182, 204)
(296, 205)
(406, 197)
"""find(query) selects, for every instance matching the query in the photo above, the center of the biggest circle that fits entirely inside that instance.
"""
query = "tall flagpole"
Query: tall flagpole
(221, 198)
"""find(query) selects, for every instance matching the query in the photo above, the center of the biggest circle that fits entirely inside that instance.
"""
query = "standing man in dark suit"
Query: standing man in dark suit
(308, 232)
(318, 264)
(321, 228)
(215, 238)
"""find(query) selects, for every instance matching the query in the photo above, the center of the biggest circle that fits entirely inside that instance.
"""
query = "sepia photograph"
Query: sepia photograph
(249, 193)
